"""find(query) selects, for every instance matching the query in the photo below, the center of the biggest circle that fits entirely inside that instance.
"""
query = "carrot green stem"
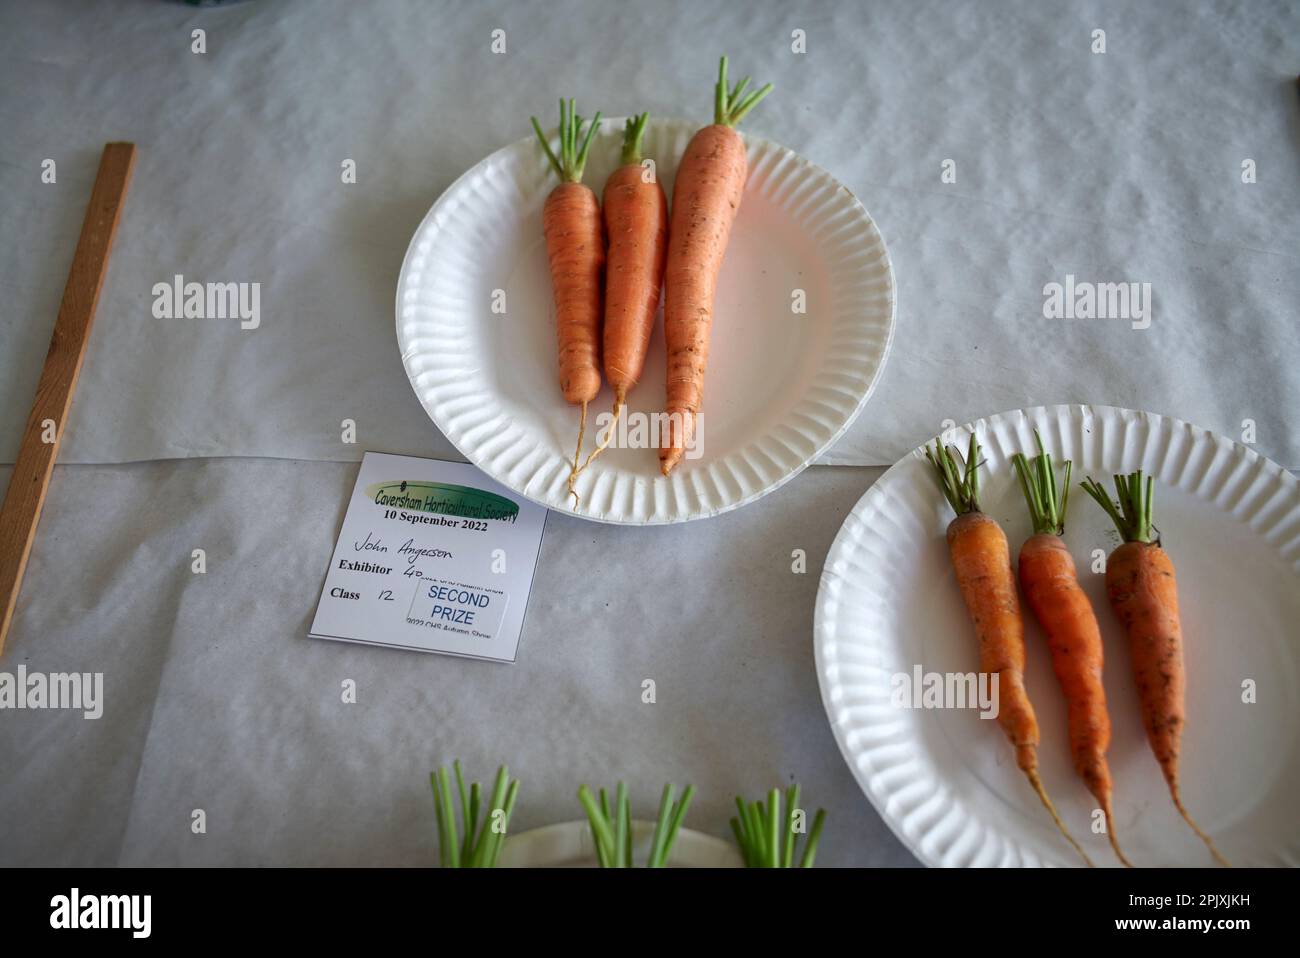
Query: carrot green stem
(1132, 513)
(471, 821)
(581, 162)
(744, 837)
(546, 146)
(661, 827)
(460, 788)
(612, 832)
(675, 825)
(810, 849)
(437, 814)
(449, 818)
(774, 842)
(737, 90)
(633, 131)
(720, 93)
(499, 836)
(742, 841)
(601, 832)
(621, 825)
(484, 833)
(730, 106)
(568, 166)
(494, 829)
(766, 834)
(958, 479)
(498, 796)
(758, 832)
(792, 804)
(466, 811)
(483, 842)
(1047, 501)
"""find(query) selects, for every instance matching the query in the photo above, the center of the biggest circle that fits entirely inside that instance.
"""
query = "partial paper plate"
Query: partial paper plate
(803, 321)
(569, 845)
(946, 781)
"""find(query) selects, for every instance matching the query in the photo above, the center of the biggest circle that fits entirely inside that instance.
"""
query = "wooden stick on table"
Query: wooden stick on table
(31, 476)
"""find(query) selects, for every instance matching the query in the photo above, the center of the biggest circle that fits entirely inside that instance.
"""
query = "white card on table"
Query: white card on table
(433, 556)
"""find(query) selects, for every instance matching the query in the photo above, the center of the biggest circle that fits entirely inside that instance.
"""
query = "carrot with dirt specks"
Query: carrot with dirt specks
(636, 226)
(1051, 584)
(1143, 593)
(982, 560)
(706, 196)
(575, 247)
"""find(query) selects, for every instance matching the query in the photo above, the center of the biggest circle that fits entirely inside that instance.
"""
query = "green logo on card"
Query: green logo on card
(442, 498)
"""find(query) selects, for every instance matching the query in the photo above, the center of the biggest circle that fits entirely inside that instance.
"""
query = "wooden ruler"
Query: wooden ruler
(40, 447)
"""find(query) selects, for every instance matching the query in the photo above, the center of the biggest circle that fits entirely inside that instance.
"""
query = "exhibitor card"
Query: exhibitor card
(432, 556)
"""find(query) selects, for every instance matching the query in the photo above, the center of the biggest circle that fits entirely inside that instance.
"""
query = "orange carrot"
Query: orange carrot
(1144, 595)
(1051, 583)
(575, 246)
(982, 560)
(706, 195)
(636, 224)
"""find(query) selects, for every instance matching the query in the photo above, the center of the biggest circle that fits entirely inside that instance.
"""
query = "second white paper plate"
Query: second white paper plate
(803, 320)
(946, 781)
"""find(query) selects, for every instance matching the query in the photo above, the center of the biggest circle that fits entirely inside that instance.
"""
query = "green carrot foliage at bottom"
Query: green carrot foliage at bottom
(611, 830)
(767, 838)
(484, 827)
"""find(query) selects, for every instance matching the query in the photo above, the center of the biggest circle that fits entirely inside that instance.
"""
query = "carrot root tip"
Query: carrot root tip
(1114, 842)
(604, 444)
(577, 455)
(1037, 784)
(1209, 842)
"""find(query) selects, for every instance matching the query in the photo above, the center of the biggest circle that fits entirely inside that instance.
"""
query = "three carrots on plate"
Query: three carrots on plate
(1142, 592)
(624, 258)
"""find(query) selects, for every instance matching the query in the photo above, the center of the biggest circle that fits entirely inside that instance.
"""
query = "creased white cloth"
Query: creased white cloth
(1119, 166)
(215, 699)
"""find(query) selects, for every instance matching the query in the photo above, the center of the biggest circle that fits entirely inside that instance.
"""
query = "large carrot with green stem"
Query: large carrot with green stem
(981, 558)
(1051, 584)
(1143, 592)
(706, 196)
(636, 226)
(575, 246)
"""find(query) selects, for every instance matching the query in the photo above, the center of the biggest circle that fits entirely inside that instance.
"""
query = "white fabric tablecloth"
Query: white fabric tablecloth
(216, 699)
(1114, 167)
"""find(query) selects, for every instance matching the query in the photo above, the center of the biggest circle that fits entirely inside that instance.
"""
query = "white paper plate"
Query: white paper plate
(782, 386)
(569, 845)
(946, 781)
